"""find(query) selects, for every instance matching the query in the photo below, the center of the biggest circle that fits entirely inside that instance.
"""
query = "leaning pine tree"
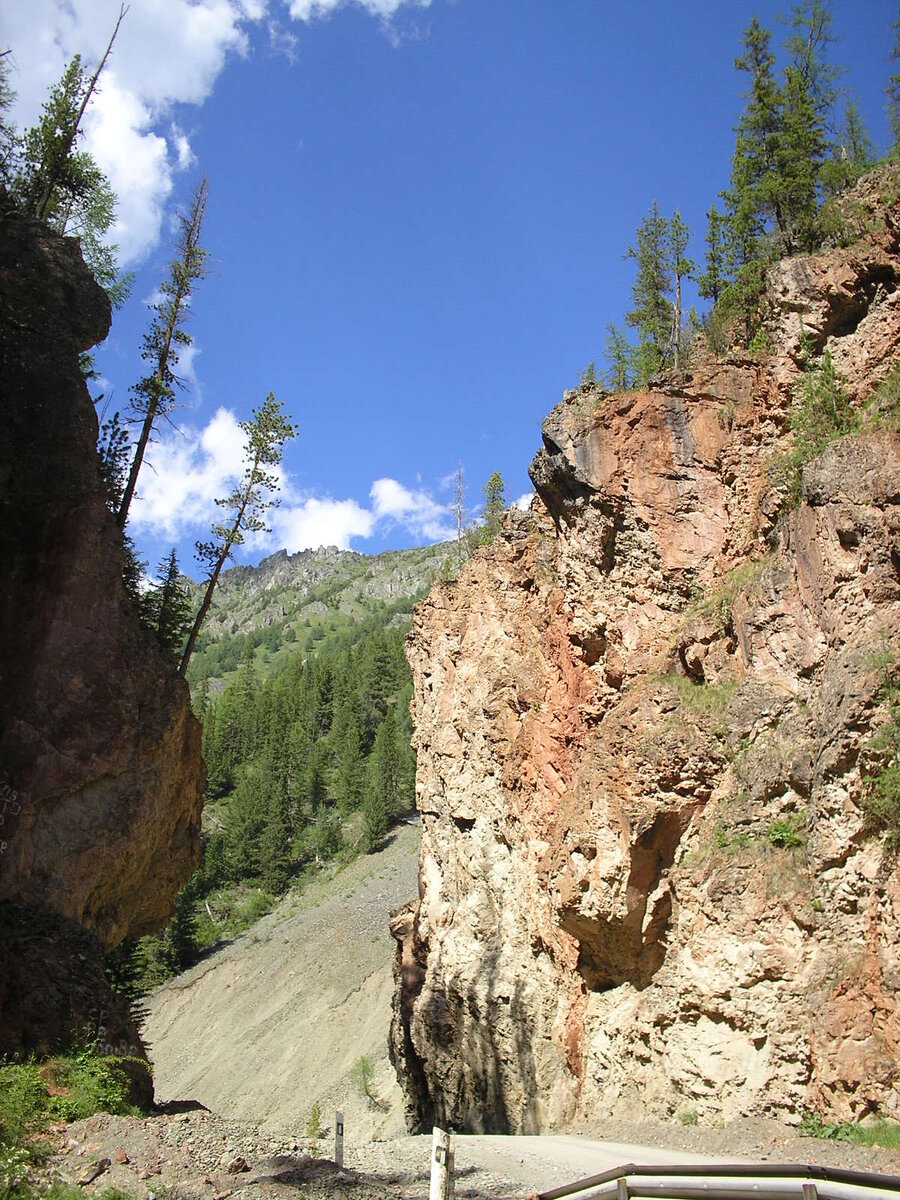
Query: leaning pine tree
(154, 396)
(247, 505)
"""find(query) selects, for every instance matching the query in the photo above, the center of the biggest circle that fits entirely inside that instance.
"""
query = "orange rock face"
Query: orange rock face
(644, 719)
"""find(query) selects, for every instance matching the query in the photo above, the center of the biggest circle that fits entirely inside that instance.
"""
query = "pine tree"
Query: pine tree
(681, 267)
(386, 764)
(494, 506)
(851, 153)
(619, 355)
(181, 934)
(245, 692)
(458, 503)
(807, 46)
(652, 313)
(748, 197)
(712, 282)
(753, 163)
(266, 434)
(350, 781)
(113, 452)
(375, 821)
(52, 180)
(275, 843)
(9, 139)
(799, 153)
(154, 396)
(167, 607)
(893, 95)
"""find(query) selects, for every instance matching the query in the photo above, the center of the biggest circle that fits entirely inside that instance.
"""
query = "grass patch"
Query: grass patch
(33, 1095)
(718, 603)
(883, 408)
(36, 1095)
(876, 1133)
(710, 698)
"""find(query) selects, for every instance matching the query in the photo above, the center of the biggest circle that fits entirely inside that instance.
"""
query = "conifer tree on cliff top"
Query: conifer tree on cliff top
(54, 181)
(652, 313)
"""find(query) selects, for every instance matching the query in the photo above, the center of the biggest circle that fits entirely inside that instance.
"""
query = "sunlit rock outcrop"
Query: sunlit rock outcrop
(644, 720)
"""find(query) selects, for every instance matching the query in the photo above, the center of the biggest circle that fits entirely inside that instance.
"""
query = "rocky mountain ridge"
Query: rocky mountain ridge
(644, 724)
(312, 582)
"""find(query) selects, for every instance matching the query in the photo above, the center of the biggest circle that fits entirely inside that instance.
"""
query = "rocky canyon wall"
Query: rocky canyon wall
(102, 778)
(644, 720)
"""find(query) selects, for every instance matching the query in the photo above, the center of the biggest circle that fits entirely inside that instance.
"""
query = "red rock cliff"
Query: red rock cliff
(102, 778)
(624, 707)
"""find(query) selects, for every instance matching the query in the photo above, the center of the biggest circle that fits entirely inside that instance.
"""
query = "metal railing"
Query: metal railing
(739, 1181)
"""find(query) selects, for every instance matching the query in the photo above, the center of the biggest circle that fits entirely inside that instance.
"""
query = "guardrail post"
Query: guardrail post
(621, 1189)
(339, 1140)
(441, 1157)
(809, 1191)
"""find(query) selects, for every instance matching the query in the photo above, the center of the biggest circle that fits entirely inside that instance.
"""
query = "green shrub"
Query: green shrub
(821, 414)
(877, 1133)
(718, 603)
(95, 1083)
(363, 1073)
(787, 833)
(85, 1082)
(14, 1163)
(23, 1100)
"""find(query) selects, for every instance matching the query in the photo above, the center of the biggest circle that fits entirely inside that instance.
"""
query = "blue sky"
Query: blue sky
(416, 221)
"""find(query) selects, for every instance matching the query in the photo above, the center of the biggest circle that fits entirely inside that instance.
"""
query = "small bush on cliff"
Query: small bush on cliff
(787, 833)
(884, 407)
(821, 414)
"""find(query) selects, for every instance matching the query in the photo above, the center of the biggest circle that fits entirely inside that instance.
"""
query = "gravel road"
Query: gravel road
(197, 1155)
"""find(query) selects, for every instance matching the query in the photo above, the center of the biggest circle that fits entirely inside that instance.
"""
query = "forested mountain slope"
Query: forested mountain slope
(290, 601)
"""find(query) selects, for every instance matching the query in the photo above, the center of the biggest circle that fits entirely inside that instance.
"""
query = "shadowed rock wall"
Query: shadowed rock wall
(102, 778)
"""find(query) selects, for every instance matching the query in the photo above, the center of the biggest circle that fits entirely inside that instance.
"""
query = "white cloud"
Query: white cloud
(185, 472)
(320, 522)
(524, 501)
(306, 10)
(168, 52)
(417, 511)
(188, 469)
